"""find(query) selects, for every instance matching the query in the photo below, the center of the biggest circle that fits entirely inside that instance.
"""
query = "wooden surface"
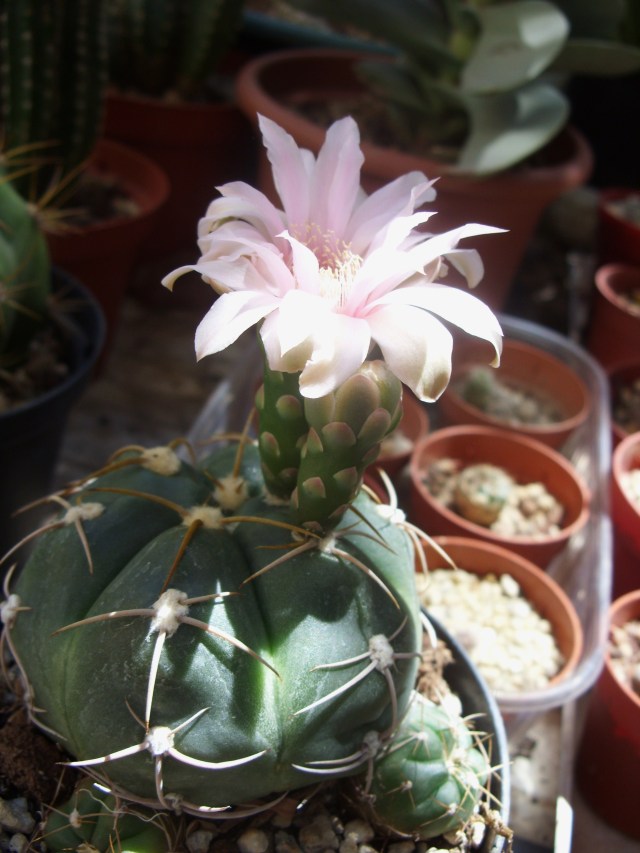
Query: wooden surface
(149, 391)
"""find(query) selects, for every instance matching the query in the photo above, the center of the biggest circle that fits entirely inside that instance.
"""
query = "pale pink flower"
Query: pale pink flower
(336, 272)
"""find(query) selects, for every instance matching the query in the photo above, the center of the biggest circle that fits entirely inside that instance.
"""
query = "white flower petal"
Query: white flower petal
(416, 346)
(398, 198)
(454, 305)
(244, 202)
(229, 316)
(290, 170)
(341, 345)
(336, 178)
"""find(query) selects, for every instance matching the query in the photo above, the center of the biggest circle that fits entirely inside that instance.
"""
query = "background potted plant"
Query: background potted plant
(609, 747)
(614, 318)
(497, 464)
(463, 97)
(171, 71)
(51, 333)
(96, 199)
(532, 393)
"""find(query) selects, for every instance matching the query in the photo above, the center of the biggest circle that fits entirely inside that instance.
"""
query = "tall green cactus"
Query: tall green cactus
(168, 47)
(53, 74)
(25, 280)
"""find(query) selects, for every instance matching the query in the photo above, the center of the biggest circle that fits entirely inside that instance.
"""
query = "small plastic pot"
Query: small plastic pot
(525, 459)
(621, 374)
(543, 593)
(608, 757)
(618, 237)
(530, 368)
(614, 327)
(625, 516)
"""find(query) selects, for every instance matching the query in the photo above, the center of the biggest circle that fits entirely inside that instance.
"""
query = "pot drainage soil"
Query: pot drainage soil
(626, 406)
(511, 644)
(487, 495)
(505, 401)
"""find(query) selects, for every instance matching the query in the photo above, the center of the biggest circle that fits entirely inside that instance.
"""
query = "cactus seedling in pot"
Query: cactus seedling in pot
(207, 636)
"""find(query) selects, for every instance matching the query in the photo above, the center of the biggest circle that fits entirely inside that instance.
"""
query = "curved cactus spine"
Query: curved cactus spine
(427, 780)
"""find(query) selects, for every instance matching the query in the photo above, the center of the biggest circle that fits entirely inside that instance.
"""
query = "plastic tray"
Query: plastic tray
(583, 569)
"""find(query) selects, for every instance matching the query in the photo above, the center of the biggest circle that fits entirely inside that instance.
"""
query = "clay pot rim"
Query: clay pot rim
(543, 432)
(606, 274)
(626, 457)
(622, 610)
(525, 444)
(524, 568)
(250, 88)
(614, 372)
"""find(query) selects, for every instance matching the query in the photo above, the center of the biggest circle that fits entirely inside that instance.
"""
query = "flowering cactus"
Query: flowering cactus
(208, 636)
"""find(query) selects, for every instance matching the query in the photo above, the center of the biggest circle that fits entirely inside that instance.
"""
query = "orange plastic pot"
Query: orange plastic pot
(618, 238)
(608, 757)
(620, 375)
(529, 368)
(614, 326)
(103, 255)
(544, 594)
(625, 516)
(525, 459)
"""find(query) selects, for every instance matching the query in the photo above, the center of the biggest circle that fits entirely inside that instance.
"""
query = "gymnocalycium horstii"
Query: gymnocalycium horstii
(206, 636)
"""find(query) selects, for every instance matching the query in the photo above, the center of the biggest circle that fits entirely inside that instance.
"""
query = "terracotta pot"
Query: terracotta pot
(608, 757)
(538, 588)
(620, 375)
(614, 328)
(200, 146)
(618, 238)
(103, 255)
(625, 516)
(275, 83)
(525, 459)
(529, 368)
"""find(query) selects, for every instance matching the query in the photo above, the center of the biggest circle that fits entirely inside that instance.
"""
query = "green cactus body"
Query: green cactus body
(319, 625)
(24, 275)
(428, 781)
(169, 47)
(53, 74)
(92, 820)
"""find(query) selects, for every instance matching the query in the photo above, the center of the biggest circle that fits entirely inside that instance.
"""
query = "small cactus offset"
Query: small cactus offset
(428, 779)
(168, 48)
(53, 75)
(97, 822)
(206, 636)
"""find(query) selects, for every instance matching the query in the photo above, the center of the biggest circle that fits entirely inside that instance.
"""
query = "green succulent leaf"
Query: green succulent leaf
(598, 57)
(507, 128)
(517, 42)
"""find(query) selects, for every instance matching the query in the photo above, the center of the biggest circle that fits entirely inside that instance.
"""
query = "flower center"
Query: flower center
(338, 264)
